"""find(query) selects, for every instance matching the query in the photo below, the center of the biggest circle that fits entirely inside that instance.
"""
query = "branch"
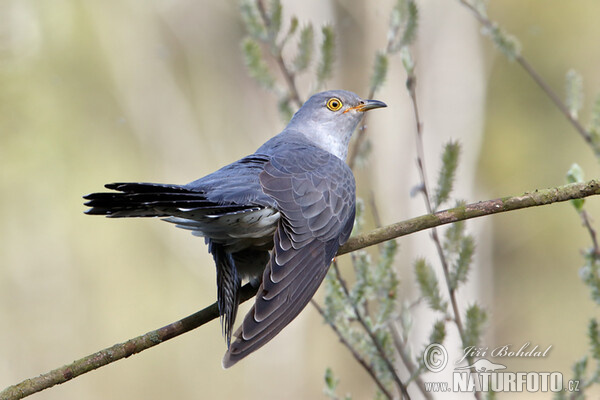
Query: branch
(372, 336)
(123, 350)
(539, 197)
(277, 52)
(354, 353)
(533, 74)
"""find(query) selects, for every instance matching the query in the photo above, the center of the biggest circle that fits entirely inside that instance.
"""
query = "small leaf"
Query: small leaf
(579, 368)
(428, 284)
(590, 274)
(438, 334)
(574, 91)
(379, 71)
(252, 20)
(403, 25)
(476, 318)
(594, 125)
(305, 49)
(255, 64)
(331, 383)
(505, 42)
(447, 173)
(275, 11)
(410, 30)
(575, 175)
(454, 234)
(407, 61)
(594, 336)
(325, 67)
(465, 257)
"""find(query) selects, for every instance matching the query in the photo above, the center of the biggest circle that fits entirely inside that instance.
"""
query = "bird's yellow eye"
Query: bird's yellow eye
(334, 104)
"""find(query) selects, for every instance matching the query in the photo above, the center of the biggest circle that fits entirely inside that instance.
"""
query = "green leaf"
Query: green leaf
(252, 20)
(410, 29)
(274, 13)
(305, 49)
(379, 71)
(574, 92)
(594, 336)
(579, 368)
(454, 234)
(594, 125)
(475, 319)
(255, 64)
(438, 333)
(364, 285)
(386, 284)
(403, 25)
(335, 301)
(447, 173)
(331, 384)
(461, 267)
(490, 395)
(359, 219)
(590, 274)
(325, 67)
(575, 175)
(505, 42)
(407, 61)
(428, 284)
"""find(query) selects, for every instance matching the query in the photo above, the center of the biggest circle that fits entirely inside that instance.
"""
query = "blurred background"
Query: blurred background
(94, 92)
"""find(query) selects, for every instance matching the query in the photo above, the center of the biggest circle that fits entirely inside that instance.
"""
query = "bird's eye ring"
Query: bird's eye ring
(334, 104)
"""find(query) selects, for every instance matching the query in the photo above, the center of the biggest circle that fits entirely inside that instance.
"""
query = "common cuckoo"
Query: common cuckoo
(276, 217)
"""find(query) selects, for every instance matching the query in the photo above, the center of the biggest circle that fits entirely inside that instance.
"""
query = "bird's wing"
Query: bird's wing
(315, 196)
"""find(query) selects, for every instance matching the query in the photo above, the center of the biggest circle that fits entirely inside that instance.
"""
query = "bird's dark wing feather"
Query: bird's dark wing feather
(315, 195)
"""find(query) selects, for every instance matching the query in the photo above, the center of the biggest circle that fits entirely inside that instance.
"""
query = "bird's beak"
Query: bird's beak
(367, 105)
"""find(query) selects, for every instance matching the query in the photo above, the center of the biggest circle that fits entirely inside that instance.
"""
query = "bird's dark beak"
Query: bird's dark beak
(367, 105)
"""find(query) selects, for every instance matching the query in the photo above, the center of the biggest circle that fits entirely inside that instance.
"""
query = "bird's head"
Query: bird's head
(329, 119)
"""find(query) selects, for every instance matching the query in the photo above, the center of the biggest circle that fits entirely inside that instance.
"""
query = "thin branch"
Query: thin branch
(536, 198)
(537, 79)
(276, 50)
(354, 353)
(401, 346)
(585, 218)
(122, 350)
(372, 336)
(411, 83)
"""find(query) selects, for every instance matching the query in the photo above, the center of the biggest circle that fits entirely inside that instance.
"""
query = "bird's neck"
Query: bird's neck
(321, 136)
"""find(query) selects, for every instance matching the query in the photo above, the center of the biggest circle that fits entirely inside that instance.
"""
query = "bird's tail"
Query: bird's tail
(143, 200)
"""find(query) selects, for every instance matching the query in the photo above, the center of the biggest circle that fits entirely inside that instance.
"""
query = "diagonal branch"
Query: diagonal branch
(533, 74)
(123, 350)
(355, 354)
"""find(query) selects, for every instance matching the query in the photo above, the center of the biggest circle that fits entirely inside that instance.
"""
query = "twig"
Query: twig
(400, 345)
(585, 218)
(276, 50)
(537, 79)
(372, 336)
(411, 83)
(531, 199)
(150, 339)
(354, 353)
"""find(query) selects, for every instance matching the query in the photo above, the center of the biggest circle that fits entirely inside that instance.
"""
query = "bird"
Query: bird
(274, 218)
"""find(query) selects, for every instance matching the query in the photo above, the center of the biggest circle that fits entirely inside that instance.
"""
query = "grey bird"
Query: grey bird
(276, 217)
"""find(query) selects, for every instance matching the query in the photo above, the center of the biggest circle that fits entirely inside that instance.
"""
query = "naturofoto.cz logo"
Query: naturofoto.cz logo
(484, 375)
